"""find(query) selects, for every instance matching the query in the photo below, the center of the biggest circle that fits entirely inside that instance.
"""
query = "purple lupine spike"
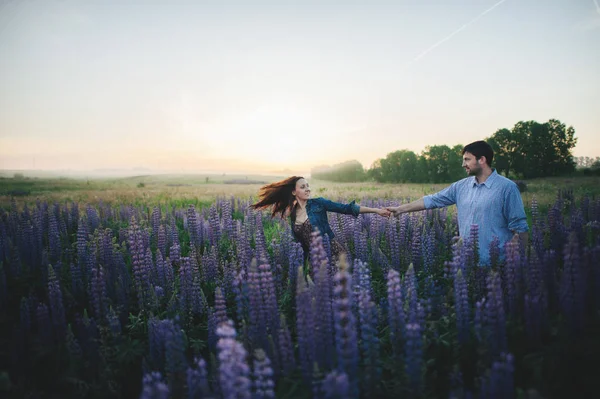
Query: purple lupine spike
(473, 244)
(161, 272)
(550, 278)
(429, 250)
(161, 241)
(323, 317)
(461, 305)
(155, 221)
(286, 349)
(175, 254)
(150, 267)
(360, 242)
(199, 304)
(573, 286)
(53, 238)
(153, 387)
(72, 345)
(495, 253)
(410, 293)
(226, 218)
(267, 288)
(393, 239)
(369, 342)
(215, 228)
(479, 320)
(257, 310)
(197, 380)
(318, 256)
(192, 225)
(396, 315)
(57, 309)
(93, 218)
(416, 249)
(186, 282)
(220, 308)
(414, 356)
(114, 324)
(500, 382)
(97, 291)
(512, 279)
(240, 290)
(495, 316)
(336, 385)
(138, 261)
(210, 264)
(345, 325)
(234, 373)
(305, 326)
(264, 387)
(175, 358)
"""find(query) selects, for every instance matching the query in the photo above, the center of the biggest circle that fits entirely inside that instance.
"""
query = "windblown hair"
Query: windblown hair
(279, 196)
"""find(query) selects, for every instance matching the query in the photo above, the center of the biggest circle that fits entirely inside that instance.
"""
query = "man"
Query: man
(485, 198)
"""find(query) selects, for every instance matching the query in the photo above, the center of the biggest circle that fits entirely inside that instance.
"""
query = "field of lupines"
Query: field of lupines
(110, 300)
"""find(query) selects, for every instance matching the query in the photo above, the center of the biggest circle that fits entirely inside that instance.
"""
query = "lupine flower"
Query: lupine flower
(396, 315)
(461, 305)
(263, 376)
(197, 380)
(305, 325)
(153, 387)
(56, 305)
(286, 350)
(414, 355)
(345, 327)
(495, 316)
(500, 382)
(572, 286)
(234, 372)
(369, 342)
(337, 385)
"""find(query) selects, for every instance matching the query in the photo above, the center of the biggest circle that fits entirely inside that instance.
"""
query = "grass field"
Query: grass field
(203, 189)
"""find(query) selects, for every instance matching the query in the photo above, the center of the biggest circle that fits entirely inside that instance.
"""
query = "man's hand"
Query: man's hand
(394, 210)
(383, 212)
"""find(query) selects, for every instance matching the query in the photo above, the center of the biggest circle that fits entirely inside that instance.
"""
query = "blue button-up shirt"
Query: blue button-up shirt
(495, 206)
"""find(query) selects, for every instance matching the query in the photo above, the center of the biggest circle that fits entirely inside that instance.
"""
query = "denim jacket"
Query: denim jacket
(317, 208)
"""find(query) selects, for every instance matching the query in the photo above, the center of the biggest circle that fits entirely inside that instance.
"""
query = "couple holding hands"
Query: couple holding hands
(484, 198)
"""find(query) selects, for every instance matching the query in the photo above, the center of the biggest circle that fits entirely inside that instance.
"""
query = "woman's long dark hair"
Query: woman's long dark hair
(279, 195)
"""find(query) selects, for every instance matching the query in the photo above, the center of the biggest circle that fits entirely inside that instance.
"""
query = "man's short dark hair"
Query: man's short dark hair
(480, 149)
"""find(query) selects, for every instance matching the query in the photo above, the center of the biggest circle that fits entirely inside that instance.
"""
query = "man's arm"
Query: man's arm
(414, 206)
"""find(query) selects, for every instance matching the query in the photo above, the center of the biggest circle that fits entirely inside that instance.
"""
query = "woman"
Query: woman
(292, 197)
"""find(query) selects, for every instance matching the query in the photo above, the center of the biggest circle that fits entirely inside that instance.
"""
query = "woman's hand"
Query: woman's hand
(382, 212)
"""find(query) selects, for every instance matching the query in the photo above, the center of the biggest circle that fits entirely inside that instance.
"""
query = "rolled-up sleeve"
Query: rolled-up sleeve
(348, 209)
(514, 211)
(445, 197)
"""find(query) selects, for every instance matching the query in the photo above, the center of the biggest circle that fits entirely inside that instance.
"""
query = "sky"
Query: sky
(262, 87)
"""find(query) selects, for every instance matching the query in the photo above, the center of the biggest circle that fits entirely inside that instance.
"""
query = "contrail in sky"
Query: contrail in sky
(597, 6)
(424, 53)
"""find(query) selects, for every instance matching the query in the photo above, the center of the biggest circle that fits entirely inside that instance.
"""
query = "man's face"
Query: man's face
(472, 166)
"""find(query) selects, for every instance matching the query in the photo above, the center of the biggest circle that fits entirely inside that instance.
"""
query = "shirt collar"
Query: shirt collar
(489, 181)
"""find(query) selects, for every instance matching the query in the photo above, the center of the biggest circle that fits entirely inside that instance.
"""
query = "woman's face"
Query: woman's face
(302, 191)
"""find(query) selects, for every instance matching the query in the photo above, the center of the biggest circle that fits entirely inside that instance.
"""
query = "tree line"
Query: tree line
(528, 150)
